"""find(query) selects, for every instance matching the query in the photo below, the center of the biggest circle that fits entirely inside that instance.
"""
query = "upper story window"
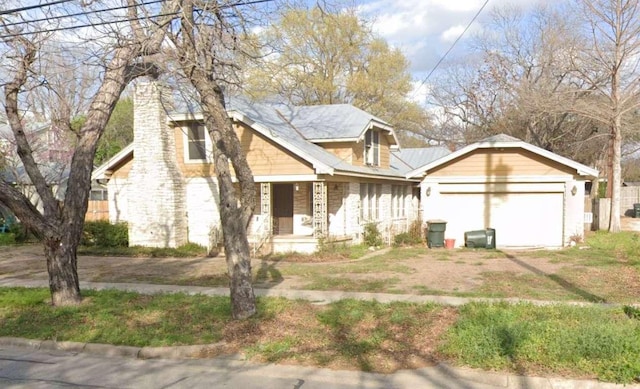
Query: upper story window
(372, 148)
(196, 143)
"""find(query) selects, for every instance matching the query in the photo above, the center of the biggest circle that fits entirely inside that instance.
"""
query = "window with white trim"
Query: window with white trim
(196, 142)
(372, 148)
(398, 197)
(370, 202)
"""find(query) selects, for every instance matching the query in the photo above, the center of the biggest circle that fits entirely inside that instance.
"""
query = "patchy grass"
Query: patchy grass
(529, 286)
(348, 284)
(591, 342)
(185, 251)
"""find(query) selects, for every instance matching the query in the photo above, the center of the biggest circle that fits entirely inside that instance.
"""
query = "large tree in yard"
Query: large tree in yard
(207, 40)
(610, 64)
(60, 223)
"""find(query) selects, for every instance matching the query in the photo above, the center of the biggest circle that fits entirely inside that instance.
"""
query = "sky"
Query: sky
(425, 29)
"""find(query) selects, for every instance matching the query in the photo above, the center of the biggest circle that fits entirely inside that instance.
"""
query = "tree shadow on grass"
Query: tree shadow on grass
(558, 280)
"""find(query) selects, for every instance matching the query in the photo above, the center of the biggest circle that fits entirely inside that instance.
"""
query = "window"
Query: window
(398, 196)
(372, 148)
(370, 202)
(98, 195)
(196, 142)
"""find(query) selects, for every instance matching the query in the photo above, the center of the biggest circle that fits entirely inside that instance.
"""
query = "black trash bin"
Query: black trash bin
(636, 210)
(435, 233)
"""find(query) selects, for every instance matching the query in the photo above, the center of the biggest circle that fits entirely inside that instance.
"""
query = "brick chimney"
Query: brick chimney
(157, 198)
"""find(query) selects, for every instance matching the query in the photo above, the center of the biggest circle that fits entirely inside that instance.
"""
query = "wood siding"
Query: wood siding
(123, 168)
(384, 151)
(501, 163)
(266, 158)
(343, 150)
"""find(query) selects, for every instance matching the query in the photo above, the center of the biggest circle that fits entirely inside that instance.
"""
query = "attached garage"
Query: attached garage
(530, 196)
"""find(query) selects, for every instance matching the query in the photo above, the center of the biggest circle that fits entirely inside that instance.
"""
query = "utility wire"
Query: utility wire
(453, 44)
(80, 13)
(30, 7)
(122, 20)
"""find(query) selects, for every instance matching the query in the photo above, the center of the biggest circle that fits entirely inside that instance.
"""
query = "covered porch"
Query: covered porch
(292, 216)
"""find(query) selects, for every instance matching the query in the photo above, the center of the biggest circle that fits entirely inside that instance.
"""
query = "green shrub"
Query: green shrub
(7, 238)
(406, 239)
(20, 232)
(101, 233)
(372, 236)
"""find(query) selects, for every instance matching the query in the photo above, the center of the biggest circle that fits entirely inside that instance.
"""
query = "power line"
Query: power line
(122, 20)
(80, 14)
(453, 44)
(30, 7)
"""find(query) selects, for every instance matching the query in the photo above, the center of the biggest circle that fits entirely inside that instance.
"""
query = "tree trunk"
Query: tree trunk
(62, 266)
(616, 175)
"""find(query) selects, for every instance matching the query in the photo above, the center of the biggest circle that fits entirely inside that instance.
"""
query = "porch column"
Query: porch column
(265, 208)
(319, 209)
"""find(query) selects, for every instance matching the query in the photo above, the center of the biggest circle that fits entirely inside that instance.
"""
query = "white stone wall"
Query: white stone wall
(336, 209)
(118, 196)
(302, 218)
(157, 206)
(203, 214)
(352, 211)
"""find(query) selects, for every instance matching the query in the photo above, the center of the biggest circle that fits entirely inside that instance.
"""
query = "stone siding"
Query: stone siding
(157, 203)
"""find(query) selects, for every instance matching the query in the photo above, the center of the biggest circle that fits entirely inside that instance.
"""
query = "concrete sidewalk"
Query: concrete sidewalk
(440, 376)
(315, 296)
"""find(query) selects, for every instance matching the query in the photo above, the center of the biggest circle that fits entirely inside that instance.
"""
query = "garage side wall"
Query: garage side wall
(574, 211)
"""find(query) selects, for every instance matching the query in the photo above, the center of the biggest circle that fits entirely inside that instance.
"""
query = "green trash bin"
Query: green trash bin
(636, 210)
(435, 233)
(475, 239)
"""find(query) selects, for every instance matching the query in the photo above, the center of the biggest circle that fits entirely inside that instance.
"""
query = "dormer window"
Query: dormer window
(196, 142)
(372, 148)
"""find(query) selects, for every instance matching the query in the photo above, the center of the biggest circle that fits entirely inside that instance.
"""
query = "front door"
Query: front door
(282, 209)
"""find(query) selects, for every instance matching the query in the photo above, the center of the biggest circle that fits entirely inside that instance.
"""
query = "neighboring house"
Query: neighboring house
(531, 196)
(50, 154)
(320, 172)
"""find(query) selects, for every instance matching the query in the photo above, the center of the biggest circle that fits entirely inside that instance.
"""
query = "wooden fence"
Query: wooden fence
(629, 195)
(97, 210)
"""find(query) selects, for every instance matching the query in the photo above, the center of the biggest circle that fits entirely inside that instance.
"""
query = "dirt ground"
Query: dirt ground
(438, 269)
(507, 273)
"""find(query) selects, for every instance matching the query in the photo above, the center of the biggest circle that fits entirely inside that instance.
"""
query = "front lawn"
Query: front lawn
(594, 342)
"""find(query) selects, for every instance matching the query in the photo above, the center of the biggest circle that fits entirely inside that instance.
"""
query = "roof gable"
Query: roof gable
(503, 141)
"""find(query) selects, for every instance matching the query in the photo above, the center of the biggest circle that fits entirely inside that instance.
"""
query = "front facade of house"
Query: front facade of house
(324, 172)
(320, 172)
(530, 196)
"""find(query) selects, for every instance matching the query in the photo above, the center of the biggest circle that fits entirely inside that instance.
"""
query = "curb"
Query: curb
(169, 352)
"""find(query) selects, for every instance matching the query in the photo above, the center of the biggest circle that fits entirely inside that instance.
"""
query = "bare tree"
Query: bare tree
(609, 64)
(206, 41)
(519, 83)
(60, 224)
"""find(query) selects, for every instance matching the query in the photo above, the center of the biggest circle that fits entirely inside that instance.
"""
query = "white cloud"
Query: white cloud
(425, 29)
(451, 34)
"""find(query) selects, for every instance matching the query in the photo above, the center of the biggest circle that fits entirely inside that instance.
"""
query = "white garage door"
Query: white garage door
(520, 219)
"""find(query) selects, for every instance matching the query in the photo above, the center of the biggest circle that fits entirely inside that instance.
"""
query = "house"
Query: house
(530, 196)
(52, 156)
(320, 171)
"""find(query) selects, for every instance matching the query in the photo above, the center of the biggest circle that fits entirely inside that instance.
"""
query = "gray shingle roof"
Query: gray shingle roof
(500, 138)
(417, 157)
(322, 122)
(282, 124)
